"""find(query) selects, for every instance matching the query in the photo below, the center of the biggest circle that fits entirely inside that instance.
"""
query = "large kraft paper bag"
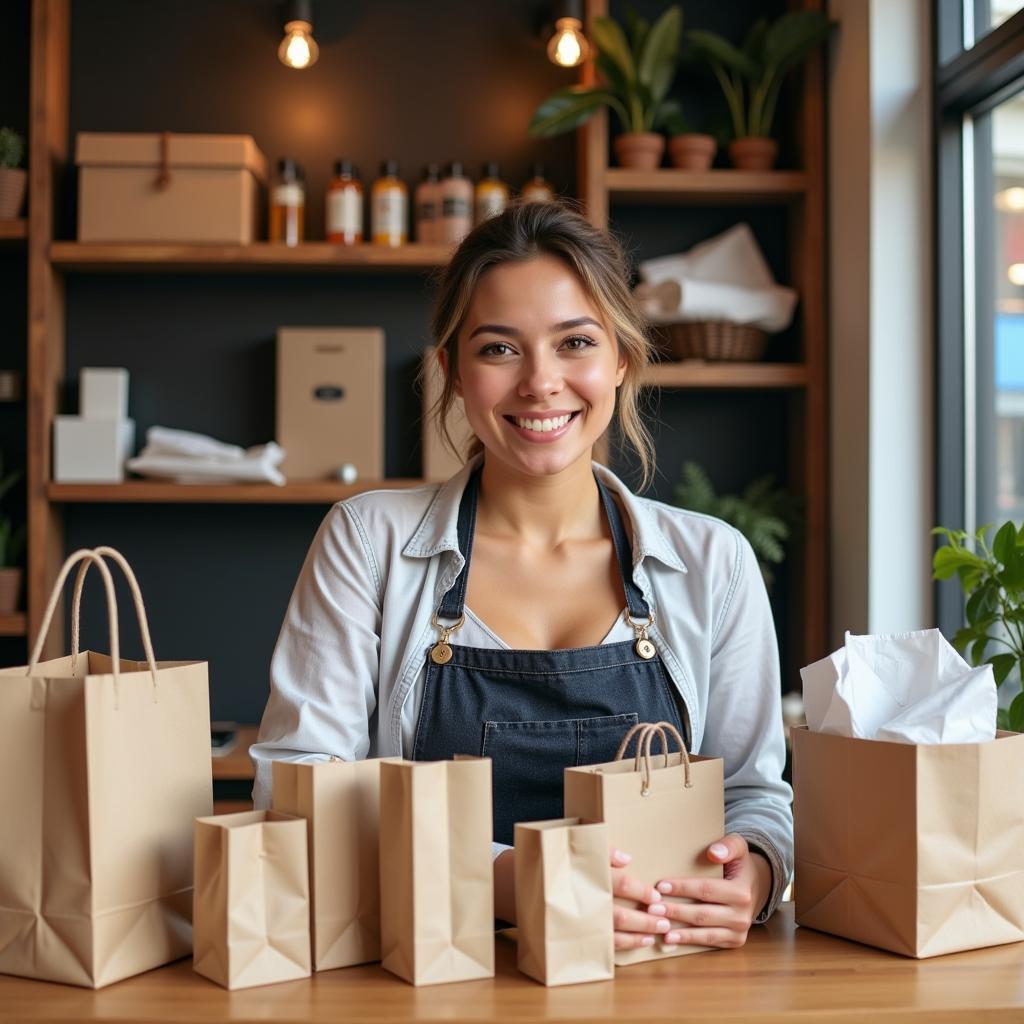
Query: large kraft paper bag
(436, 876)
(665, 809)
(340, 801)
(104, 765)
(251, 919)
(915, 848)
(564, 902)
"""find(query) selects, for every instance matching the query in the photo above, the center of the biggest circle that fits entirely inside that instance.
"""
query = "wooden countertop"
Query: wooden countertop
(783, 974)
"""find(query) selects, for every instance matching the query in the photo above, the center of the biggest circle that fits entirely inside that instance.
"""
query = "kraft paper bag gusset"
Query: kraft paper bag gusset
(104, 764)
(907, 836)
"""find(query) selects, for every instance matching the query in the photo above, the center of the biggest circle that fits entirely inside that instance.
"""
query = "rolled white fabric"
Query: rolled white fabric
(257, 465)
(168, 441)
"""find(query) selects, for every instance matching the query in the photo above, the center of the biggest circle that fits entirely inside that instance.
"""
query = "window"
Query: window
(979, 106)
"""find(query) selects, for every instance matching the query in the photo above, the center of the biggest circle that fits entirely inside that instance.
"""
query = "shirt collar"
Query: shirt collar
(438, 530)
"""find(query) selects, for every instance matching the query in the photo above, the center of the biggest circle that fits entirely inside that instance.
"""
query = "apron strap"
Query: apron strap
(453, 602)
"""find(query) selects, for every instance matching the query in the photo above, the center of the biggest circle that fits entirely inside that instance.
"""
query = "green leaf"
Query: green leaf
(754, 42)
(567, 109)
(1005, 543)
(947, 560)
(610, 39)
(637, 27)
(978, 651)
(1002, 719)
(657, 65)
(1015, 716)
(961, 638)
(793, 36)
(970, 576)
(1012, 575)
(612, 74)
(713, 47)
(1002, 666)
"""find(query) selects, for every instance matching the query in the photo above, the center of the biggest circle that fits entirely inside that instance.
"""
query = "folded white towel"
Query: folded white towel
(194, 458)
(168, 441)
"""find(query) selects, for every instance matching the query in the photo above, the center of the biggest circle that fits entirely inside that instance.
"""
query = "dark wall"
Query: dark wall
(452, 79)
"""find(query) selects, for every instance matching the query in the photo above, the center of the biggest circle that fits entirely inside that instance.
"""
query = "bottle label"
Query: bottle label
(490, 204)
(289, 194)
(455, 206)
(344, 212)
(389, 213)
(426, 209)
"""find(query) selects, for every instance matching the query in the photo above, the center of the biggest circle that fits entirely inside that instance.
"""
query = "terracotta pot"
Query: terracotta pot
(10, 590)
(12, 191)
(640, 151)
(754, 153)
(692, 151)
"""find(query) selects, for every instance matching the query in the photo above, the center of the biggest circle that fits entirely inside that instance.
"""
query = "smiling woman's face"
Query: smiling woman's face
(538, 366)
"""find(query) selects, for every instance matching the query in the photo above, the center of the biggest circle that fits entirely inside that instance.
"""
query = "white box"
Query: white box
(91, 451)
(103, 393)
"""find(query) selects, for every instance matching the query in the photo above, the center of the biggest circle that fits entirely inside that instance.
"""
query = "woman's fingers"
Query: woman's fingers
(704, 915)
(628, 888)
(725, 938)
(707, 890)
(626, 920)
(633, 940)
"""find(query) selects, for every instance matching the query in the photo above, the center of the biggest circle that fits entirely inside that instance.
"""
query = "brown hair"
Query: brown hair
(521, 233)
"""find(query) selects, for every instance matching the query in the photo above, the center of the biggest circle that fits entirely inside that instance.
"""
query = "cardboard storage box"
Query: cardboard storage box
(330, 400)
(169, 188)
(916, 848)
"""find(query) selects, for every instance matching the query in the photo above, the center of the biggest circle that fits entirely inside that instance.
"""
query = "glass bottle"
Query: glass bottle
(456, 205)
(287, 204)
(491, 194)
(538, 189)
(426, 203)
(344, 205)
(389, 209)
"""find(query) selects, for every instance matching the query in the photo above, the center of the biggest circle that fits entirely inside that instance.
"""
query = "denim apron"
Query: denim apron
(535, 713)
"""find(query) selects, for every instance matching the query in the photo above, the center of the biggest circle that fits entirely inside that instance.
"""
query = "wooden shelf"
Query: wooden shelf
(13, 625)
(696, 373)
(703, 187)
(13, 230)
(298, 492)
(259, 257)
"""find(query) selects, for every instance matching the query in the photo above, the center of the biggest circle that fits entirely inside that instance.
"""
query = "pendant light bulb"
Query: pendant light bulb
(568, 47)
(298, 49)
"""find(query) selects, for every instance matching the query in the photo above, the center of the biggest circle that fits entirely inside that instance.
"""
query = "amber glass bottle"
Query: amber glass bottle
(287, 204)
(390, 206)
(344, 205)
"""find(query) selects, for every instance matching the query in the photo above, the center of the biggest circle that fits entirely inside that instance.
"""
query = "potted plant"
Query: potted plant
(12, 177)
(764, 514)
(12, 542)
(993, 581)
(688, 151)
(637, 75)
(751, 76)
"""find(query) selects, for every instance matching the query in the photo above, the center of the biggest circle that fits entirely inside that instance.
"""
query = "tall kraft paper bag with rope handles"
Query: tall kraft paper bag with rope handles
(104, 765)
(665, 809)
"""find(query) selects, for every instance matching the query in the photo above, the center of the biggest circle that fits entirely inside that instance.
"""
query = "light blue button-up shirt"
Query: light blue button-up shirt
(348, 670)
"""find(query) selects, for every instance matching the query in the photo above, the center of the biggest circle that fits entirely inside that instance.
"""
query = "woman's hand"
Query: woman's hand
(635, 928)
(723, 908)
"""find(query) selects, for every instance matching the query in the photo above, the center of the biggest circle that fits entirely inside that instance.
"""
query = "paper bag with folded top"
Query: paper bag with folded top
(665, 809)
(251, 916)
(564, 901)
(913, 846)
(340, 801)
(104, 765)
(436, 875)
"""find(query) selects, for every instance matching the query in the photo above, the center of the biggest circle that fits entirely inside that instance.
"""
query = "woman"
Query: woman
(531, 608)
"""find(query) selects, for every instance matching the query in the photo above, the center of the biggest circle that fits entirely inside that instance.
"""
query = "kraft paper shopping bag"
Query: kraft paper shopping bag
(340, 801)
(564, 901)
(251, 919)
(104, 765)
(915, 848)
(665, 809)
(436, 876)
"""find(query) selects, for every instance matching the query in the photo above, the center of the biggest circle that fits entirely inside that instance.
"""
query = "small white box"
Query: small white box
(103, 393)
(91, 451)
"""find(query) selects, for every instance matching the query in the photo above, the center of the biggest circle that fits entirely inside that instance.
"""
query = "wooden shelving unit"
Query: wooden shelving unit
(805, 383)
(298, 492)
(259, 257)
(13, 625)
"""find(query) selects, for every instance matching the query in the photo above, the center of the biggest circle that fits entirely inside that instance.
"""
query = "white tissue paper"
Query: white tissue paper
(722, 278)
(189, 458)
(903, 687)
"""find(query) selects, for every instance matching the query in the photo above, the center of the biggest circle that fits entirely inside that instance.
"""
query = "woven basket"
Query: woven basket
(714, 340)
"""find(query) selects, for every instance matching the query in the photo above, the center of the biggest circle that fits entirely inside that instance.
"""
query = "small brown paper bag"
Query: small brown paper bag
(664, 809)
(251, 916)
(564, 901)
(104, 765)
(436, 875)
(915, 848)
(340, 801)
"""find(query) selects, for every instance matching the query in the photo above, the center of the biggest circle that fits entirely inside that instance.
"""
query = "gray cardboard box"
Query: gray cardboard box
(330, 400)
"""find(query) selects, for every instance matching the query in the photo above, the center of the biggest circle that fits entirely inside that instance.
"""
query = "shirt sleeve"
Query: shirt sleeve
(744, 722)
(325, 667)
